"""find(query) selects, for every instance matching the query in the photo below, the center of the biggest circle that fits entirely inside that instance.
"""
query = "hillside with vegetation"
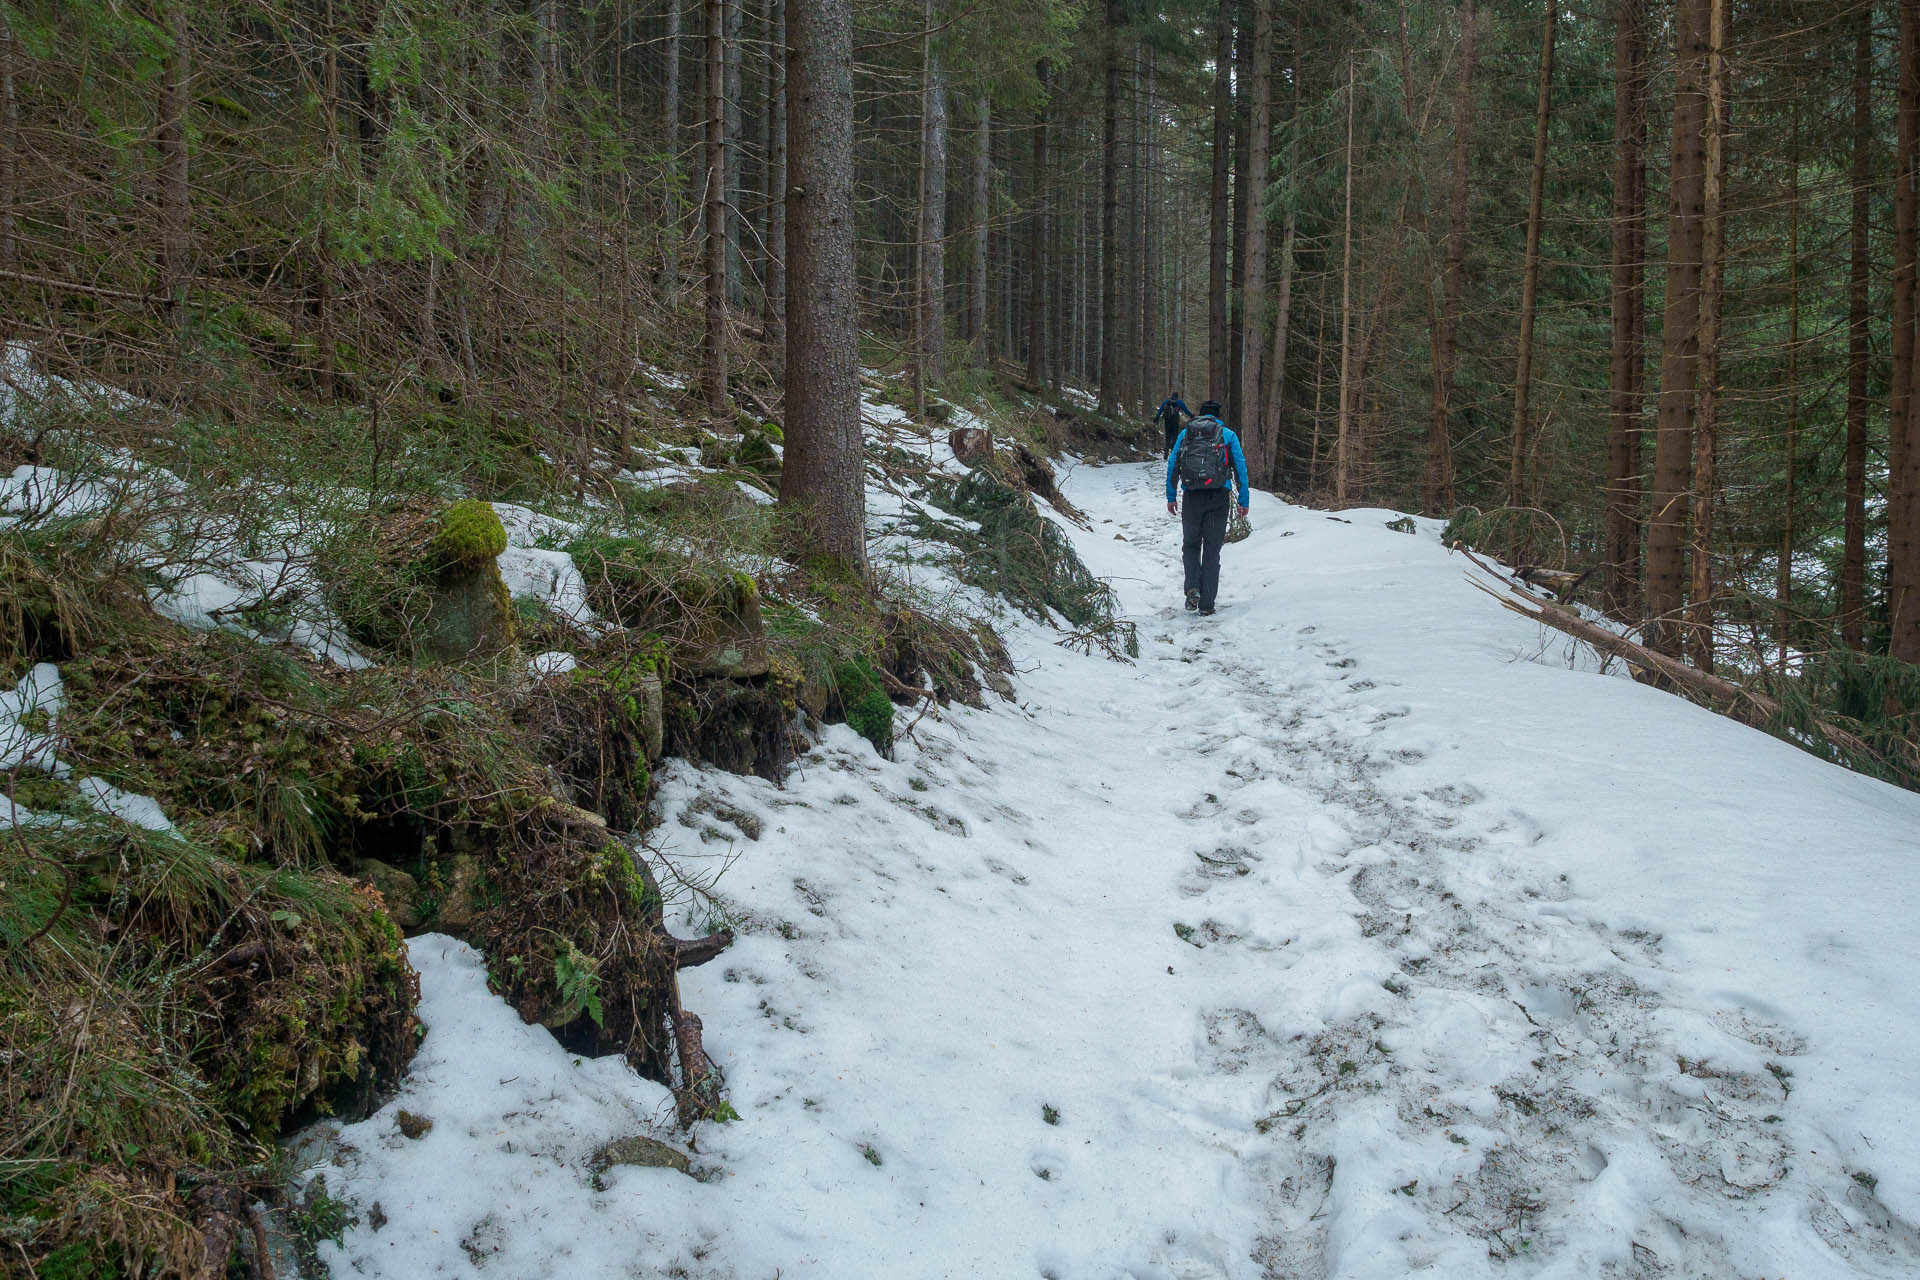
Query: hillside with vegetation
(442, 444)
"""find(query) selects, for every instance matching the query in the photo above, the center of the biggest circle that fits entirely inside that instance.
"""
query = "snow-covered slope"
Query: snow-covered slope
(1353, 932)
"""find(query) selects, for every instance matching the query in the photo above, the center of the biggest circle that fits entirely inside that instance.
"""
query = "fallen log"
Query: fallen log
(689, 953)
(1563, 583)
(1713, 692)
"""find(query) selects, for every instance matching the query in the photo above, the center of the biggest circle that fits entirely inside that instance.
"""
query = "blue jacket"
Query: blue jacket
(1171, 409)
(1233, 448)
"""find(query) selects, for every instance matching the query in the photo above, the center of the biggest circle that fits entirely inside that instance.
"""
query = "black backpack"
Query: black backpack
(1204, 462)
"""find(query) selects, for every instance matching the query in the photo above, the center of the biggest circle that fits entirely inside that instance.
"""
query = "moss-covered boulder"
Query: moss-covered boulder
(470, 613)
(320, 1019)
(571, 927)
(708, 614)
(638, 1151)
(168, 1019)
(424, 583)
(737, 725)
(757, 453)
(399, 891)
(602, 729)
(862, 702)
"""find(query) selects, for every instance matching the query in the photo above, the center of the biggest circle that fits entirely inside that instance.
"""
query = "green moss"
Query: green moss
(43, 793)
(756, 454)
(869, 712)
(78, 1261)
(470, 534)
(787, 678)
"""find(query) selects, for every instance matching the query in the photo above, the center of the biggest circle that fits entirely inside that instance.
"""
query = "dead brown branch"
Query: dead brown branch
(1713, 692)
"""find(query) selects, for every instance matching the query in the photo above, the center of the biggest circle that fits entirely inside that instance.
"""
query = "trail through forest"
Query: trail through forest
(1355, 931)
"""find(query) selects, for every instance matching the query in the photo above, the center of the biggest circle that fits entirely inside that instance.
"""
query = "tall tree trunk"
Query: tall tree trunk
(176, 233)
(1903, 450)
(715, 198)
(930, 277)
(1133, 366)
(1342, 446)
(1446, 317)
(1621, 587)
(823, 478)
(323, 342)
(1853, 564)
(776, 299)
(754, 147)
(1712, 274)
(733, 187)
(534, 126)
(1237, 273)
(1177, 302)
(670, 256)
(1036, 245)
(1221, 211)
(9, 144)
(1060, 335)
(1680, 332)
(1517, 491)
(1319, 389)
(1080, 355)
(1109, 212)
(1152, 362)
(1783, 590)
(1273, 398)
(1259, 142)
(977, 332)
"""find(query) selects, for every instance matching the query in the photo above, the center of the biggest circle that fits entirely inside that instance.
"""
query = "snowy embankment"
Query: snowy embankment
(1349, 933)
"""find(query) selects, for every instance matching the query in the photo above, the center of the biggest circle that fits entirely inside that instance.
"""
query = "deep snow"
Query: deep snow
(1353, 932)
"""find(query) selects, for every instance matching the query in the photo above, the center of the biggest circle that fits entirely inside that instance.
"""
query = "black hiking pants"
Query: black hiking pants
(1203, 527)
(1173, 433)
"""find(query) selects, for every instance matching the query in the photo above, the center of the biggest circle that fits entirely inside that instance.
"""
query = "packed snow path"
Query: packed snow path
(1351, 933)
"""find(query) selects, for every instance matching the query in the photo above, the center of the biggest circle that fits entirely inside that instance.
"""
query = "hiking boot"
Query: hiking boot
(1193, 598)
(1206, 613)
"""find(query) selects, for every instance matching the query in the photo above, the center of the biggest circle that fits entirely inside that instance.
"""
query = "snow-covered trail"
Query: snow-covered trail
(1337, 937)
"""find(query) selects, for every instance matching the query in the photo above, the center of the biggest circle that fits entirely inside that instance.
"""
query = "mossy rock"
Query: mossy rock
(425, 583)
(457, 890)
(756, 454)
(326, 1023)
(861, 700)
(573, 936)
(470, 615)
(737, 725)
(708, 614)
(399, 891)
(639, 1151)
(603, 729)
(470, 534)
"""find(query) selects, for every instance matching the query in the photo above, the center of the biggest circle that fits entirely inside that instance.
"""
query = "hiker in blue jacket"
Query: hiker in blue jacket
(1203, 459)
(1170, 412)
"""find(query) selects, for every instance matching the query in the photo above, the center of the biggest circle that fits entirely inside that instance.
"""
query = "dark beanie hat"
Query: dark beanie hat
(1210, 406)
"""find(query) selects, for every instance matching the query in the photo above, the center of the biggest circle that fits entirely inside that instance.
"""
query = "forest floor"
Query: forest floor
(1359, 930)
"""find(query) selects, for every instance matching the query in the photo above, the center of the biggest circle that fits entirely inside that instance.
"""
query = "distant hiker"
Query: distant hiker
(1203, 459)
(1171, 410)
